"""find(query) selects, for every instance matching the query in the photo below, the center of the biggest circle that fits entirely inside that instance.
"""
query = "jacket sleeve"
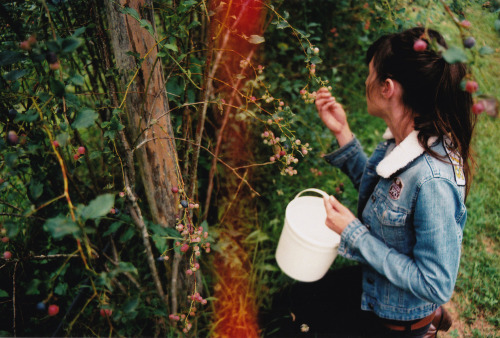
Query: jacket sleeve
(431, 272)
(350, 159)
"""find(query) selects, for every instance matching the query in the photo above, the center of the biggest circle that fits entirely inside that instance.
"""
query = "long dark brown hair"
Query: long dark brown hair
(432, 90)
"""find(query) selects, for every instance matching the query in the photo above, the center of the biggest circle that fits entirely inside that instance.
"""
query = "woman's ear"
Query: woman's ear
(389, 88)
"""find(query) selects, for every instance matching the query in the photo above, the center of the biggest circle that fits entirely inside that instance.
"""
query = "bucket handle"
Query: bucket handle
(321, 192)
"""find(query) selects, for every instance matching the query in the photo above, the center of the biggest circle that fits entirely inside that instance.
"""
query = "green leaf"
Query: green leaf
(79, 31)
(171, 47)
(16, 74)
(130, 11)
(61, 226)
(128, 234)
(454, 54)
(29, 116)
(113, 228)
(98, 207)
(85, 118)
(12, 229)
(63, 139)
(256, 39)
(57, 87)
(282, 25)
(77, 80)
(131, 305)
(316, 60)
(61, 289)
(9, 57)
(32, 288)
(3, 293)
(54, 46)
(160, 243)
(486, 50)
(193, 24)
(36, 189)
(70, 44)
(126, 267)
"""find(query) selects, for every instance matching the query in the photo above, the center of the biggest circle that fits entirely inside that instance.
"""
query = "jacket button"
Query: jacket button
(370, 305)
(370, 280)
(368, 226)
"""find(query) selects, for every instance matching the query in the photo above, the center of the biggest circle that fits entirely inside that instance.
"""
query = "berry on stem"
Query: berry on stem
(7, 255)
(469, 42)
(81, 150)
(41, 306)
(106, 312)
(478, 108)
(471, 86)
(12, 137)
(53, 310)
(420, 45)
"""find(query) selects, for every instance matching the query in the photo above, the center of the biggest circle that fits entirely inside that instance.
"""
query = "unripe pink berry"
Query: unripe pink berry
(55, 143)
(471, 86)
(76, 157)
(81, 150)
(25, 45)
(184, 247)
(189, 272)
(465, 23)
(7, 255)
(420, 45)
(55, 66)
(122, 194)
(5, 239)
(478, 108)
(303, 92)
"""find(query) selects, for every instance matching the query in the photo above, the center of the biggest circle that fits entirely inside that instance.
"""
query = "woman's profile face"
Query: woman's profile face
(372, 92)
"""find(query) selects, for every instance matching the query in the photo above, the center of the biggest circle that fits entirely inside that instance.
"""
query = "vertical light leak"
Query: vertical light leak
(235, 27)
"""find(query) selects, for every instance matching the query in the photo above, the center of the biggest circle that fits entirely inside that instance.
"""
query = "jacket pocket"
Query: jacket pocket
(394, 226)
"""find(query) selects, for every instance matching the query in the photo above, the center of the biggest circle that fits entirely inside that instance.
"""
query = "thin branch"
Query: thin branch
(206, 149)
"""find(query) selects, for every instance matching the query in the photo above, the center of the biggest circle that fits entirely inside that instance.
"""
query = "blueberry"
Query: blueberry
(51, 57)
(160, 259)
(40, 306)
(117, 212)
(12, 113)
(184, 203)
(469, 42)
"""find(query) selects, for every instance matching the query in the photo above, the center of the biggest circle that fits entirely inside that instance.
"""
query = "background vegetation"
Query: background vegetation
(70, 220)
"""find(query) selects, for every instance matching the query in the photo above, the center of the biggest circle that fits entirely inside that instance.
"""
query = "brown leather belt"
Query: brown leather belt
(415, 326)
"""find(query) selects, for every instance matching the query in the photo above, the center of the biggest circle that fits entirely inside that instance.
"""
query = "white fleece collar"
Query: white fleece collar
(404, 153)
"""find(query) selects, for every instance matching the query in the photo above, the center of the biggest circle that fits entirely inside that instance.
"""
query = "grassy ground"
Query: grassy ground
(475, 302)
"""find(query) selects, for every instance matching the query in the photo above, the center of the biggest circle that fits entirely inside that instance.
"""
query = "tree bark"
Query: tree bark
(146, 107)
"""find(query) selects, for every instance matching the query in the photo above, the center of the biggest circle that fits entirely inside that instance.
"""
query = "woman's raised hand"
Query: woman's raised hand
(333, 116)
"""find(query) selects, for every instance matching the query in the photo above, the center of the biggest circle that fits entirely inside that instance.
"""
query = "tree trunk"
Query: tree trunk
(149, 128)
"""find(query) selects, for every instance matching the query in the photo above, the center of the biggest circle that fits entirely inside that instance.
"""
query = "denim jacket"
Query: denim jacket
(408, 232)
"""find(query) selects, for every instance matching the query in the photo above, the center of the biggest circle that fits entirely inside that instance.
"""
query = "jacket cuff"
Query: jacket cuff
(338, 157)
(348, 238)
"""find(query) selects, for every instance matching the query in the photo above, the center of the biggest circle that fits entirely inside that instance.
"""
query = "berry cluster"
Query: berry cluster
(283, 152)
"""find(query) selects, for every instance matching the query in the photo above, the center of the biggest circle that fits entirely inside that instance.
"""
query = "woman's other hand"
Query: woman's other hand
(338, 216)
(333, 116)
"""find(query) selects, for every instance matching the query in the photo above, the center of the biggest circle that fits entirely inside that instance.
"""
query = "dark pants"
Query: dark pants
(330, 307)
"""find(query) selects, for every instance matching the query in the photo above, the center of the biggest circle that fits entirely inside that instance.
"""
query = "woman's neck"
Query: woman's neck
(400, 123)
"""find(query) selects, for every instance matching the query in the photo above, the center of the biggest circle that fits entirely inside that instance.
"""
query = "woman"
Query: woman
(408, 230)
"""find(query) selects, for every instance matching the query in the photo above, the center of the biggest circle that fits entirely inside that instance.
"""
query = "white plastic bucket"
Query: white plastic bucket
(307, 247)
